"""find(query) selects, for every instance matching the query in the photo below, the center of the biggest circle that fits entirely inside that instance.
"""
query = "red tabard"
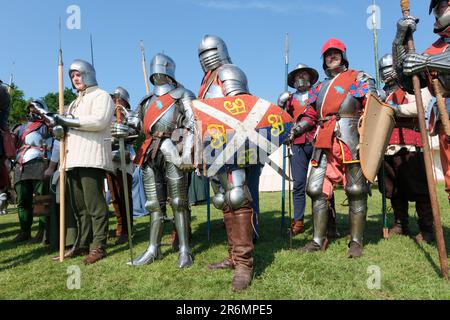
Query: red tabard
(403, 133)
(337, 92)
(297, 109)
(153, 114)
(211, 77)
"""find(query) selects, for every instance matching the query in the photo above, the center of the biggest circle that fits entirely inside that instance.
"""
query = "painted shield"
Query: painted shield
(375, 131)
(239, 131)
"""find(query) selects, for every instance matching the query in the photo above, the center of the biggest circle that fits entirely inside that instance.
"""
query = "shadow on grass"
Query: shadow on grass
(374, 233)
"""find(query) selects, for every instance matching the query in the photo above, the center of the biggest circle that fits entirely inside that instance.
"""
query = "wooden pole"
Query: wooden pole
(144, 68)
(441, 106)
(427, 157)
(62, 155)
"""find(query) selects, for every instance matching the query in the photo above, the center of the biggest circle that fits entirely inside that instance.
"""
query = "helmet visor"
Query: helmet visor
(441, 8)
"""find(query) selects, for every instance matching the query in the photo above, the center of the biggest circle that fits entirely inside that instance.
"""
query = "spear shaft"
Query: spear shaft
(144, 68)
(427, 155)
(62, 153)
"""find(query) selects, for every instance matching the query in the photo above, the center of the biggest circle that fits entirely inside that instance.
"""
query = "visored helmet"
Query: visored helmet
(162, 65)
(387, 71)
(442, 24)
(212, 53)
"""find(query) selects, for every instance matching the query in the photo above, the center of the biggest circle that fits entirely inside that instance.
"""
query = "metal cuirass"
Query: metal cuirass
(31, 148)
(168, 121)
(348, 117)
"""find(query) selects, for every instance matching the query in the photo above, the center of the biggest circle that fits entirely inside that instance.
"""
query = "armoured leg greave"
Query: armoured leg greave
(178, 192)
(153, 251)
(356, 190)
(320, 219)
(153, 193)
(320, 203)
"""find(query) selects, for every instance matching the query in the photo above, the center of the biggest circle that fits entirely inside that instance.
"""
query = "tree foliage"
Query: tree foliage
(18, 111)
(51, 99)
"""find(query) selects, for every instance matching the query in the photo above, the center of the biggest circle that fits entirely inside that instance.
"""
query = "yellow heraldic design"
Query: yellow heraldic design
(277, 124)
(218, 135)
(247, 157)
(235, 108)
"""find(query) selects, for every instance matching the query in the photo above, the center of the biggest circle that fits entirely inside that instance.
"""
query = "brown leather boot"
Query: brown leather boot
(355, 250)
(312, 246)
(400, 227)
(38, 237)
(425, 222)
(22, 237)
(95, 255)
(242, 237)
(297, 227)
(227, 263)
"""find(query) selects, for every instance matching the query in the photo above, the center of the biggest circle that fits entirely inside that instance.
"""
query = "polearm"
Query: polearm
(427, 155)
(144, 68)
(11, 83)
(283, 186)
(62, 154)
(123, 169)
(381, 181)
(92, 51)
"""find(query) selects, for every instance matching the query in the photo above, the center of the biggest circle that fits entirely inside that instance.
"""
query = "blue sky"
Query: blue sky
(253, 30)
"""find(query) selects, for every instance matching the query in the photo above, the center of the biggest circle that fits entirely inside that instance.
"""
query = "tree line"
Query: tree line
(18, 111)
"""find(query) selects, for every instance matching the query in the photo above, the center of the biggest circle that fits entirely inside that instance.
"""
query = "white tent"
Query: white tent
(271, 181)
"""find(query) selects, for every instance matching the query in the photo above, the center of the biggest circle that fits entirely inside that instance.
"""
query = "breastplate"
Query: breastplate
(168, 121)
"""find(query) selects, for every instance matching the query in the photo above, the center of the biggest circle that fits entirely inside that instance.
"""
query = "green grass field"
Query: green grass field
(408, 271)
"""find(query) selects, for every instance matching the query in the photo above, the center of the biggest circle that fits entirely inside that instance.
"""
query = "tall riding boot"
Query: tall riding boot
(400, 207)
(227, 263)
(425, 222)
(181, 217)
(153, 251)
(242, 239)
(320, 221)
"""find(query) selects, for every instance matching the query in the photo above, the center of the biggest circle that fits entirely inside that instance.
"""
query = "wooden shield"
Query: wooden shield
(375, 131)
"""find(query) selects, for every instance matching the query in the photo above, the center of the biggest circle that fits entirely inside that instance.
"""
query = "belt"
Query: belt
(157, 138)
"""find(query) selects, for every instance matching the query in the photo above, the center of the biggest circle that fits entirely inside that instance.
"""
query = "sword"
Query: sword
(280, 171)
(123, 168)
